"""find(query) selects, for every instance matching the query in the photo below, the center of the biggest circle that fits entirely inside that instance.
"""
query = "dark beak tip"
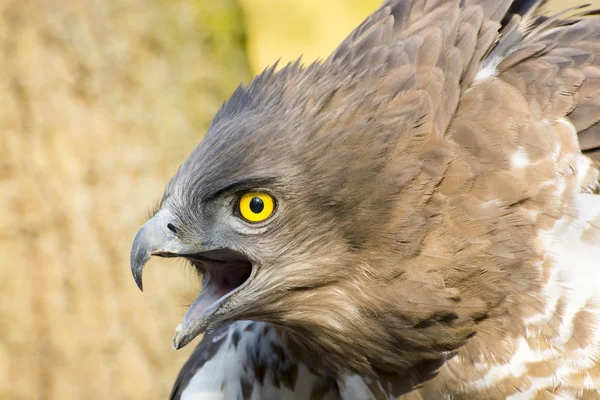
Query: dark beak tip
(138, 258)
(139, 284)
(137, 271)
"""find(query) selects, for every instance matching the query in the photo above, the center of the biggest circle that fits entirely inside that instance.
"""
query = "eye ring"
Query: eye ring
(256, 207)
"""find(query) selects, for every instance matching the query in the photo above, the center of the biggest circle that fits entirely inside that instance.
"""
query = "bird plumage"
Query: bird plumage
(438, 231)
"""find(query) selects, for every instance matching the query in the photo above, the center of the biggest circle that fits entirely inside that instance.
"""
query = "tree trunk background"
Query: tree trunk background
(100, 102)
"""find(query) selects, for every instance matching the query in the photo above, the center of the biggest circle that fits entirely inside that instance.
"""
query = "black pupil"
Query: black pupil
(256, 205)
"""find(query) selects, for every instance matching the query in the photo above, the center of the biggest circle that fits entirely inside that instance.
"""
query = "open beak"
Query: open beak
(225, 272)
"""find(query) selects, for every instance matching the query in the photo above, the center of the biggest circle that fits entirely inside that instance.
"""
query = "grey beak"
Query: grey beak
(155, 238)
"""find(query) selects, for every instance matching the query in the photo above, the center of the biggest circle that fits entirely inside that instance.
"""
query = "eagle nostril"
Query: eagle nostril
(172, 228)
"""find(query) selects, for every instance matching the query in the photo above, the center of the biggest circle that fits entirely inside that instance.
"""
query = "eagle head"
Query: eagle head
(307, 205)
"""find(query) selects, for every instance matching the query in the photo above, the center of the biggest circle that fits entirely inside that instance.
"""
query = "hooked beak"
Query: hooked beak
(156, 239)
(225, 272)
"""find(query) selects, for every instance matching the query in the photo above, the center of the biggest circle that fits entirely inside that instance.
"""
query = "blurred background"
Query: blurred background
(100, 102)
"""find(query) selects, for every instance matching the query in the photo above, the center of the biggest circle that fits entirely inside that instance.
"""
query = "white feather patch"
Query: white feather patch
(223, 374)
(489, 70)
(575, 281)
(519, 159)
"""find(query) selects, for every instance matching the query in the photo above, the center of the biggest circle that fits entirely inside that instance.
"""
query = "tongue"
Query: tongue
(220, 279)
(192, 321)
(210, 293)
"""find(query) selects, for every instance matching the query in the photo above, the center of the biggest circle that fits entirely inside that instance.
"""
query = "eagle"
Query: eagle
(416, 216)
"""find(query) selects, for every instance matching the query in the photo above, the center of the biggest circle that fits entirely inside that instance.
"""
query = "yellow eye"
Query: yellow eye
(256, 206)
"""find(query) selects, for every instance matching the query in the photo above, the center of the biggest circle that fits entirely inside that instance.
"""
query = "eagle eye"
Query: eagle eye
(256, 206)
